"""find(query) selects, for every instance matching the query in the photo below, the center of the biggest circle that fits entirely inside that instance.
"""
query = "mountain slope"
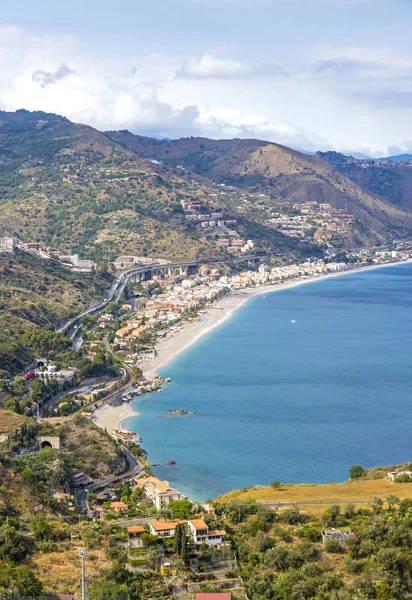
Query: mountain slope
(75, 189)
(281, 172)
(390, 179)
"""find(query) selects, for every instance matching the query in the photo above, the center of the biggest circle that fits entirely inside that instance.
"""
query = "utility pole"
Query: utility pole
(83, 555)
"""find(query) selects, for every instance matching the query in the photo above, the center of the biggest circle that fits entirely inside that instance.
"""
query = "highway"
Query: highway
(121, 281)
(134, 469)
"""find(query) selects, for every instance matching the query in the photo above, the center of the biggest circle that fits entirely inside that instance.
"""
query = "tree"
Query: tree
(41, 529)
(356, 472)
(20, 581)
(334, 547)
(181, 509)
(183, 550)
(392, 500)
(108, 590)
(275, 484)
(178, 539)
(13, 545)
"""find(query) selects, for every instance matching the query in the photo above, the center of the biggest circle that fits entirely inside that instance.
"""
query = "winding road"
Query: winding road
(121, 281)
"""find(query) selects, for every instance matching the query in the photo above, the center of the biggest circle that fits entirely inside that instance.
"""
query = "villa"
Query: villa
(200, 532)
(159, 492)
(118, 507)
(164, 528)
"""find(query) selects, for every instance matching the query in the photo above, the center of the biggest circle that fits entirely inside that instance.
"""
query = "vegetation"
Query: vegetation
(34, 295)
(282, 173)
(281, 555)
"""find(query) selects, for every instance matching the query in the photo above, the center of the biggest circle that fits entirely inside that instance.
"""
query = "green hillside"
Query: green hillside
(282, 173)
(73, 188)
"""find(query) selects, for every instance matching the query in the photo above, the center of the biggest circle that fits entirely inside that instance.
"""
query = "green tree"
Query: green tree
(356, 472)
(20, 581)
(275, 484)
(13, 545)
(183, 550)
(108, 590)
(178, 539)
(181, 509)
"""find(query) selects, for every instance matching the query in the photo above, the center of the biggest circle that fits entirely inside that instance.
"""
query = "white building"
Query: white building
(7, 245)
(164, 528)
(200, 532)
(159, 492)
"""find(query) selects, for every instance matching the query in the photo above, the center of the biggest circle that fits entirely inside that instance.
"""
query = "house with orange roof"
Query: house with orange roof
(135, 530)
(159, 492)
(118, 507)
(124, 331)
(164, 528)
(200, 532)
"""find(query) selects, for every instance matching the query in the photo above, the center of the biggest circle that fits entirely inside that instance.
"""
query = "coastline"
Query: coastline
(111, 417)
(174, 344)
(219, 312)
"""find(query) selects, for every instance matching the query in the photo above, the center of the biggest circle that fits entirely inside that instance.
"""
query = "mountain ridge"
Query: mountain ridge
(278, 171)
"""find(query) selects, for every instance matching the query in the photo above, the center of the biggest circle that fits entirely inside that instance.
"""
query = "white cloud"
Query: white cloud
(336, 101)
(209, 66)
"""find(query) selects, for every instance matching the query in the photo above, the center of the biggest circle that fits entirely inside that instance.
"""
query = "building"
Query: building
(338, 535)
(53, 373)
(125, 436)
(80, 479)
(78, 265)
(118, 507)
(214, 596)
(392, 475)
(159, 492)
(7, 245)
(200, 532)
(164, 528)
(135, 531)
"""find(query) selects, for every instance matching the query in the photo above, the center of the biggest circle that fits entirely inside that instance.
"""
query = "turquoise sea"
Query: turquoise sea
(297, 402)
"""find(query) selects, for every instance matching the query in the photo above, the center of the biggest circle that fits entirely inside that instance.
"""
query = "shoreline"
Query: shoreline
(170, 347)
(111, 417)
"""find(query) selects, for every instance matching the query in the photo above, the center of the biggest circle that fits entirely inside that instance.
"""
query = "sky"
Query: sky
(310, 74)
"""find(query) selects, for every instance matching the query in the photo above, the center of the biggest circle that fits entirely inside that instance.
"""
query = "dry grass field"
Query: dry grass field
(10, 421)
(353, 491)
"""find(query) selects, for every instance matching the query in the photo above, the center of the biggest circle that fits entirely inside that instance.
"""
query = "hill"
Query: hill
(390, 178)
(280, 172)
(76, 190)
(34, 294)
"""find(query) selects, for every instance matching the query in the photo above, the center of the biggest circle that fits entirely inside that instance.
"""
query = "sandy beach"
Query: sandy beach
(174, 343)
(110, 417)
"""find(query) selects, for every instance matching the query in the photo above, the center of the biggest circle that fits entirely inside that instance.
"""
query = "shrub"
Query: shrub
(334, 547)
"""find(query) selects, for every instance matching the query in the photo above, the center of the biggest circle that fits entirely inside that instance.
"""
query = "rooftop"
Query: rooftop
(165, 525)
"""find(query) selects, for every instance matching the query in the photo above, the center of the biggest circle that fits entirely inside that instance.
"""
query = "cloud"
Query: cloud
(381, 80)
(45, 78)
(346, 98)
(208, 66)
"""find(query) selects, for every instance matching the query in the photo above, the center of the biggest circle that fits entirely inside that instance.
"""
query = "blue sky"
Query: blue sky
(312, 74)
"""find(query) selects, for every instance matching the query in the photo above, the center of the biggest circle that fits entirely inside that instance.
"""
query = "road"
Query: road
(134, 469)
(314, 502)
(77, 342)
(121, 281)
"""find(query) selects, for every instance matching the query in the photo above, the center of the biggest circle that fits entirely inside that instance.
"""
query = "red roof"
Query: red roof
(214, 596)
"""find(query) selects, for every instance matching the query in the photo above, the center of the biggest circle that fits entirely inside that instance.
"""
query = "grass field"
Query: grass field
(354, 491)
(10, 421)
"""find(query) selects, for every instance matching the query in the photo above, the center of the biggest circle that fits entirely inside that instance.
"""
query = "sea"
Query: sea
(298, 386)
